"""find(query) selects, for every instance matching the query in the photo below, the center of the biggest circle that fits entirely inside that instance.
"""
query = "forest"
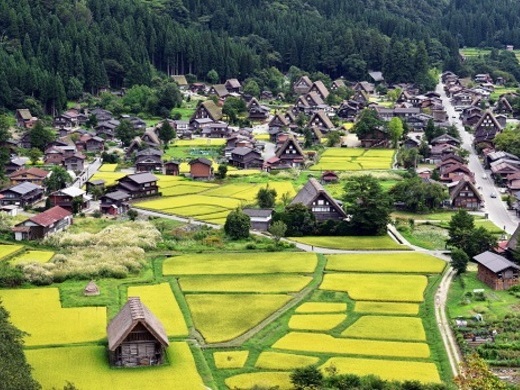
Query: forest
(55, 50)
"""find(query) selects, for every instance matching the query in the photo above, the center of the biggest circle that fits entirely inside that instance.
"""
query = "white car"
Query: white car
(484, 176)
(493, 195)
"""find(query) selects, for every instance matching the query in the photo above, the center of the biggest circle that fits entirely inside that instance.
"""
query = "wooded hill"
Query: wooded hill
(53, 50)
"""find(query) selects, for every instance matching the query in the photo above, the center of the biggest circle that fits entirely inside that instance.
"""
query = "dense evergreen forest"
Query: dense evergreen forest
(54, 50)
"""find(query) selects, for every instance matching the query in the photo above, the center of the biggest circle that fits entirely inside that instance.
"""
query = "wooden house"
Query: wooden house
(70, 198)
(486, 129)
(320, 89)
(302, 85)
(218, 90)
(44, 224)
(260, 218)
(337, 84)
(365, 86)
(207, 110)
(348, 110)
(233, 86)
(24, 118)
(377, 138)
(15, 164)
(21, 195)
(201, 168)
(181, 81)
(148, 160)
(290, 153)
(445, 139)
(91, 185)
(319, 201)
(139, 185)
(136, 337)
(496, 271)
(321, 120)
(30, 175)
(172, 168)
(329, 177)
(256, 111)
(115, 203)
(75, 163)
(464, 195)
(244, 157)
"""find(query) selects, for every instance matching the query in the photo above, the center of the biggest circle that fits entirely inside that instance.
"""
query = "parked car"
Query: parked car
(493, 195)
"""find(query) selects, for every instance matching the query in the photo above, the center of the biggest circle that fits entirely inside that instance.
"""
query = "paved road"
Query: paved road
(495, 208)
(87, 173)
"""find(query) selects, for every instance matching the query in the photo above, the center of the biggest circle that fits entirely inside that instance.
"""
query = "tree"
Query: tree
(431, 131)
(464, 235)
(475, 375)
(266, 197)
(368, 121)
(307, 378)
(333, 138)
(459, 260)
(166, 133)
(132, 214)
(125, 132)
(252, 88)
(222, 171)
(58, 179)
(237, 224)
(278, 229)
(307, 134)
(16, 372)
(395, 130)
(368, 204)
(233, 107)
(417, 195)
(300, 221)
(40, 136)
(212, 76)
(5, 135)
(34, 155)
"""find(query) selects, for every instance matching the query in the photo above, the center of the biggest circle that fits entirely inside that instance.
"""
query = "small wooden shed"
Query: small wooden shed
(496, 271)
(136, 337)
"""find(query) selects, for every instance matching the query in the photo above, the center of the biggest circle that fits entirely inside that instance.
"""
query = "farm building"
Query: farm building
(260, 218)
(44, 224)
(496, 271)
(201, 168)
(319, 201)
(136, 337)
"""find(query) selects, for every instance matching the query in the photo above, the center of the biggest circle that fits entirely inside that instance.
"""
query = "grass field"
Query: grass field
(161, 301)
(386, 262)
(108, 168)
(316, 321)
(87, 367)
(352, 243)
(222, 317)
(263, 380)
(200, 142)
(230, 359)
(387, 308)
(39, 313)
(240, 263)
(323, 343)
(244, 283)
(32, 257)
(377, 287)
(387, 328)
(386, 369)
(8, 250)
(283, 361)
(322, 307)
(354, 159)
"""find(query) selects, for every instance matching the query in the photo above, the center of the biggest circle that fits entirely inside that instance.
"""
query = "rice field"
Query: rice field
(200, 142)
(377, 287)
(160, 300)
(323, 343)
(354, 159)
(386, 369)
(32, 257)
(351, 242)
(8, 250)
(387, 328)
(322, 307)
(230, 359)
(387, 308)
(39, 313)
(244, 283)
(110, 178)
(222, 317)
(108, 168)
(264, 380)
(283, 361)
(321, 322)
(240, 263)
(411, 262)
(87, 367)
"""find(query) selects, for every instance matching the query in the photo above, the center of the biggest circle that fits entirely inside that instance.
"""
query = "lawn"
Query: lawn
(354, 159)
(386, 369)
(386, 262)
(108, 168)
(32, 257)
(8, 250)
(222, 317)
(230, 359)
(387, 308)
(323, 343)
(87, 367)
(262, 380)
(427, 236)
(322, 307)
(240, 263)
(322, 322)
(387, 328)
(39, 313)
(377, 287)
(244, 283)
(160, 300)
(283, 361)
(352, 242)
